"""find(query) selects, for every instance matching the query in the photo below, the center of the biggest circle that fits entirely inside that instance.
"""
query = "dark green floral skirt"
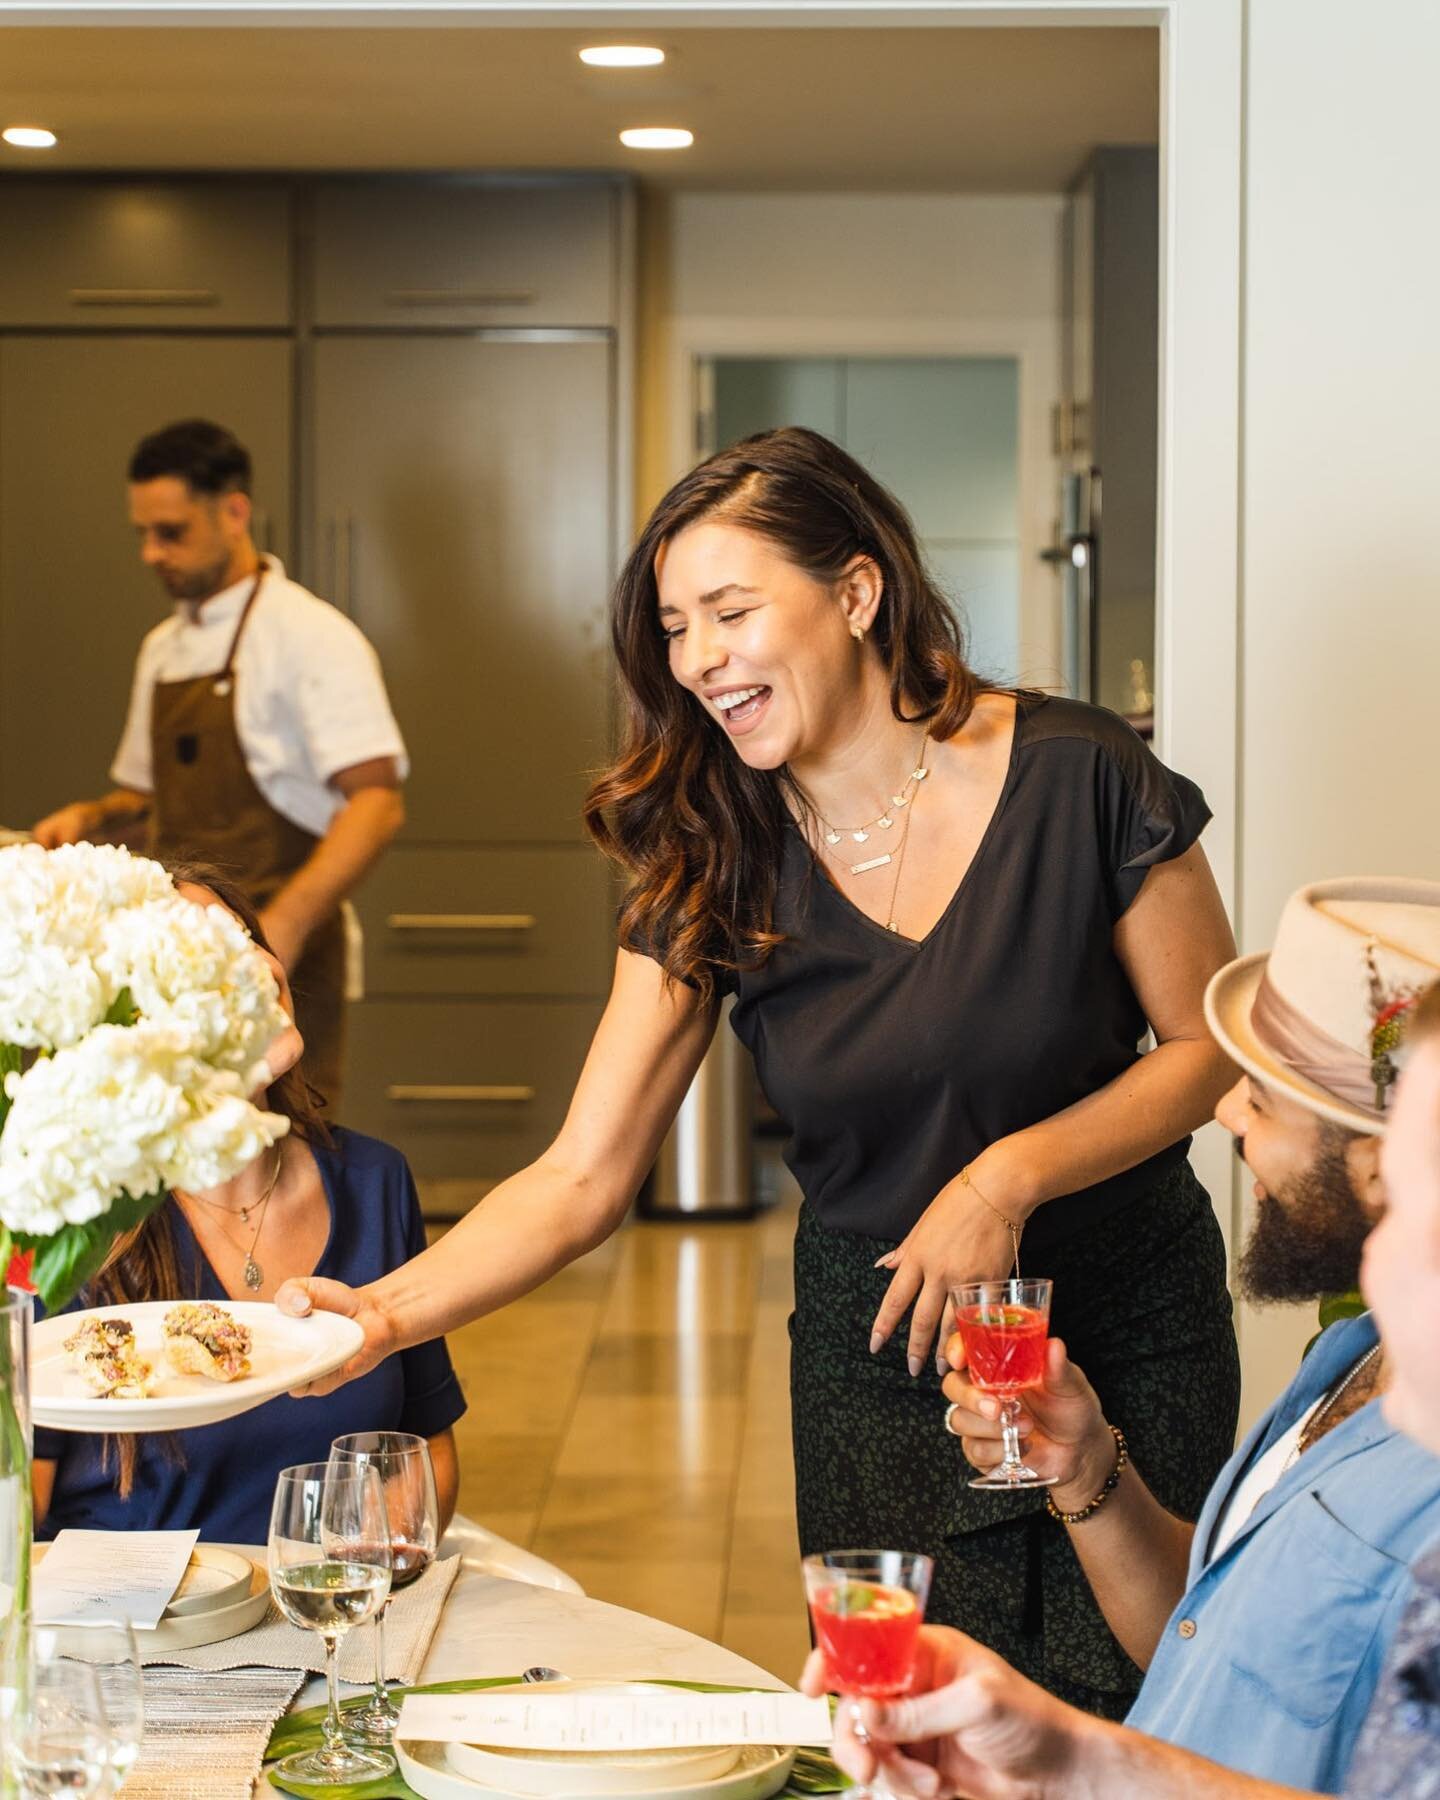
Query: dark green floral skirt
(1141, 1302)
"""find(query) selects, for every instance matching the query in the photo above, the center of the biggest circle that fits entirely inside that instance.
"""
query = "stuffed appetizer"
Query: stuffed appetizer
(202, 1338)
(104, 1353)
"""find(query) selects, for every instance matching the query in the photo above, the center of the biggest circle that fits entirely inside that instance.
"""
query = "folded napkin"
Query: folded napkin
(205, 1740)
(276, 1644)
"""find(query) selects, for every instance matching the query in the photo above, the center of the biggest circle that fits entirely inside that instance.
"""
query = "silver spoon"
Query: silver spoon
(540, 1673)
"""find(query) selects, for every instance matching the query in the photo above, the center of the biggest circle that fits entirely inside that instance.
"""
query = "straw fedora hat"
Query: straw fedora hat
(1322, 1016)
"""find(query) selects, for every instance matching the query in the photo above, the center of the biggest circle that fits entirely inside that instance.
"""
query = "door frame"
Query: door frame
(1023, 342)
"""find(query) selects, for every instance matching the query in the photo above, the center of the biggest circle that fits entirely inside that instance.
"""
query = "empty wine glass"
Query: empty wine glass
(402, 1461)
(59, 1740)
(108, 1647)
(329, 1560)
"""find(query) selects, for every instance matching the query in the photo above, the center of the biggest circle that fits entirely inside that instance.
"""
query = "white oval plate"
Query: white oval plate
(760, 1771)
(285, 1353)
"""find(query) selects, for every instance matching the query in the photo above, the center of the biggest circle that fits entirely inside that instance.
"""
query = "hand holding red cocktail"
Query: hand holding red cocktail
(1004, 1327)
(1062, 1422)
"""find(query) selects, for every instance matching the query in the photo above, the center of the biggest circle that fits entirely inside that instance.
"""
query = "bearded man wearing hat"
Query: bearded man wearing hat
(1263, 1629)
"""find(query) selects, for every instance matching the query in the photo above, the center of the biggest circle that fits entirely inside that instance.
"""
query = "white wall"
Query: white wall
(877, 274)
(1340, 571)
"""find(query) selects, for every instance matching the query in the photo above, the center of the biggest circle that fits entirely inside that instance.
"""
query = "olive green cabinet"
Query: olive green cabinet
(430, 373)
(74, 599)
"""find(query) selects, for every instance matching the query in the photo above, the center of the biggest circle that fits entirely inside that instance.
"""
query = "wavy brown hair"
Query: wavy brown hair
(700, 831)
(144, 1264)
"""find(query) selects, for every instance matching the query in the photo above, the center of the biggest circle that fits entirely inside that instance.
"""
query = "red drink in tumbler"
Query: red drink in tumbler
(869, 1634)
(1004, 1345)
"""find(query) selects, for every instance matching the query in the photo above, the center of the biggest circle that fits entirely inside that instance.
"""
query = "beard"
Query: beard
(1307, 1239)
(198, 584)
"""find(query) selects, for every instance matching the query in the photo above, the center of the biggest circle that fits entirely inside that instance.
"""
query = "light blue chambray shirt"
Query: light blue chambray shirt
(1269, 1663)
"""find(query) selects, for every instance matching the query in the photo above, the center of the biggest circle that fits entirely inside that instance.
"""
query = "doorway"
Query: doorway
(942, 433)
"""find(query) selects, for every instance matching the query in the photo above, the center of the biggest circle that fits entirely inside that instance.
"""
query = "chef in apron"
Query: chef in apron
(259, 736)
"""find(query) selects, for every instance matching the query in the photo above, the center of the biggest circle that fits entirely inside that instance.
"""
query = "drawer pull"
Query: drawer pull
(461, 921)
(461, 297)
(422, 1090)
(144, 297)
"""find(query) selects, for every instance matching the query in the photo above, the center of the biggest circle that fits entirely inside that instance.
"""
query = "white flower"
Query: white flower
(128, 1110)
(54, 905)
(197, 969)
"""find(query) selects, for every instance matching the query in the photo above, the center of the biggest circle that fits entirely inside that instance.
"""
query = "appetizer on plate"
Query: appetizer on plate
(201, 1338)
(105, 1354)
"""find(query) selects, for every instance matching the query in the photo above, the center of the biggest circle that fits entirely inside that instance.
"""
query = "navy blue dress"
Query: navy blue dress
(221, 1478)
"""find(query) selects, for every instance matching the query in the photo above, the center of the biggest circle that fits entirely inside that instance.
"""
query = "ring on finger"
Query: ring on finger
(950, 1412)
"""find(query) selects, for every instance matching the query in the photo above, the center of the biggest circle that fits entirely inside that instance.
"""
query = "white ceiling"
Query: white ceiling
(974, 110)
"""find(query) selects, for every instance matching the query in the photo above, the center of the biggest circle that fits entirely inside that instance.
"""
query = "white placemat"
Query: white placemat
(276, 1644)
(205, 1739)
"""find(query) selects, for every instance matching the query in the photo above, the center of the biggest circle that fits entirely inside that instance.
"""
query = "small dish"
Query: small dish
(213, 1580)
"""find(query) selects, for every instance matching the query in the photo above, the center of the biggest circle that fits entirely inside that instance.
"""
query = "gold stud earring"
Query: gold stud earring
(858, 633)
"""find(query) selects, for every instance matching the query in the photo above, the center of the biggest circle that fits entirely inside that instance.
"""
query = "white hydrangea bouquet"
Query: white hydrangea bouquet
(133, 1029)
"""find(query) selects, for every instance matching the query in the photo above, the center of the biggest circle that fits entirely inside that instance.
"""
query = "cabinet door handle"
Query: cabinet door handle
(461, 297)
(461, 921)
(457, 1091)
(144, 297)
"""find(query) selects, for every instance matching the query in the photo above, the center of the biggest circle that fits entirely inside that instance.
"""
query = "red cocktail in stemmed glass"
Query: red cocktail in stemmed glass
(1005, 1326)
(867, 1607)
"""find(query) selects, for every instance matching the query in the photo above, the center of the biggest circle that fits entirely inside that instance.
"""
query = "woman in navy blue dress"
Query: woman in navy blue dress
(324, 1201)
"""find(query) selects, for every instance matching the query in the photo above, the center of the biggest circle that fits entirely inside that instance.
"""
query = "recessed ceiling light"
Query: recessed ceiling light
(657, 137)
(29, 137)
(622, 56)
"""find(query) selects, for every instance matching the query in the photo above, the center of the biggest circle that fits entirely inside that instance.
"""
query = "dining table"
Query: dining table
(496, 1625)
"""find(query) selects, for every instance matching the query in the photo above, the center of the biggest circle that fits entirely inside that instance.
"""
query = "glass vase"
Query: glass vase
(16, 1516)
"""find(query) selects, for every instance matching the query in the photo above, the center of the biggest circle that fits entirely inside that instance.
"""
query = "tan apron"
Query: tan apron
(207, 808)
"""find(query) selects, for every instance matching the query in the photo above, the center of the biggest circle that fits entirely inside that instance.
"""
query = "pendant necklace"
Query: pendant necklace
(860, 834)
(252, 1274)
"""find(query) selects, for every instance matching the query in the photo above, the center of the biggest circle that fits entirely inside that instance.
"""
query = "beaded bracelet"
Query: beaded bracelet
(1112, 1481)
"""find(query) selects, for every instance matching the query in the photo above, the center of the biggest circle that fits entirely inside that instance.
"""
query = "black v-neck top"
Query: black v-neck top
(894, 1063)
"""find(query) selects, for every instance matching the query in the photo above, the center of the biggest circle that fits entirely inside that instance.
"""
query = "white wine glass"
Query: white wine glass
(59, 1739)
(402, 1461)
(109, 1648)
(329, 1558)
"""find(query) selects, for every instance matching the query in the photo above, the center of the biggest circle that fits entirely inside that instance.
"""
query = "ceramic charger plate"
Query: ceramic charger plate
(758, 1772)
(222, 1593)
(713, 1772)
(285, 1353)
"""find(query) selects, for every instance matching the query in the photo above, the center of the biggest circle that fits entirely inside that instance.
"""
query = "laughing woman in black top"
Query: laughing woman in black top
(948, 913)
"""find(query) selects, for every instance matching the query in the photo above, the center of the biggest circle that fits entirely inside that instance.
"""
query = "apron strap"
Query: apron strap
(227, 673)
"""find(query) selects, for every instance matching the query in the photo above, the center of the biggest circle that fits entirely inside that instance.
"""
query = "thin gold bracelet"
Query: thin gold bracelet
(1112, 1481)
(1004, 1218)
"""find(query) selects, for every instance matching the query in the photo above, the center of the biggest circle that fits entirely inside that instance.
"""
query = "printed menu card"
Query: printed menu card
(606, 1719)
(89, 1576)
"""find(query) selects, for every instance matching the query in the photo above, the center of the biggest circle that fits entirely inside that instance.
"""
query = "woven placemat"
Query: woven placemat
(276, 1644)
(205, 1739)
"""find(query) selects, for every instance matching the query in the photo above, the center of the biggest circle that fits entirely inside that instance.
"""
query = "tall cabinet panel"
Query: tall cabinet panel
(462, 507)
(74, 600)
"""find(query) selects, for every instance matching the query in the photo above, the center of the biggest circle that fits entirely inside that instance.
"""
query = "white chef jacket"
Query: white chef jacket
(309, 694)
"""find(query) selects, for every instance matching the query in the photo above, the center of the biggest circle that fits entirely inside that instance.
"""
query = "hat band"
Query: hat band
(1301, 1044)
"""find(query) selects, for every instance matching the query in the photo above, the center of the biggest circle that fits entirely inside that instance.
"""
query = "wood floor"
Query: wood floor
(630, 1422)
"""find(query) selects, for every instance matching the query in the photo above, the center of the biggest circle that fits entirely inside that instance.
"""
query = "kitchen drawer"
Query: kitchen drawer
(122, 254)
(470, 1089)
(482, 922)
(451, 253)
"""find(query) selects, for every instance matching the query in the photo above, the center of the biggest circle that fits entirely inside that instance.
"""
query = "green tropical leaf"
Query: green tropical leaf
(76, 1254)
(814, 1772)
